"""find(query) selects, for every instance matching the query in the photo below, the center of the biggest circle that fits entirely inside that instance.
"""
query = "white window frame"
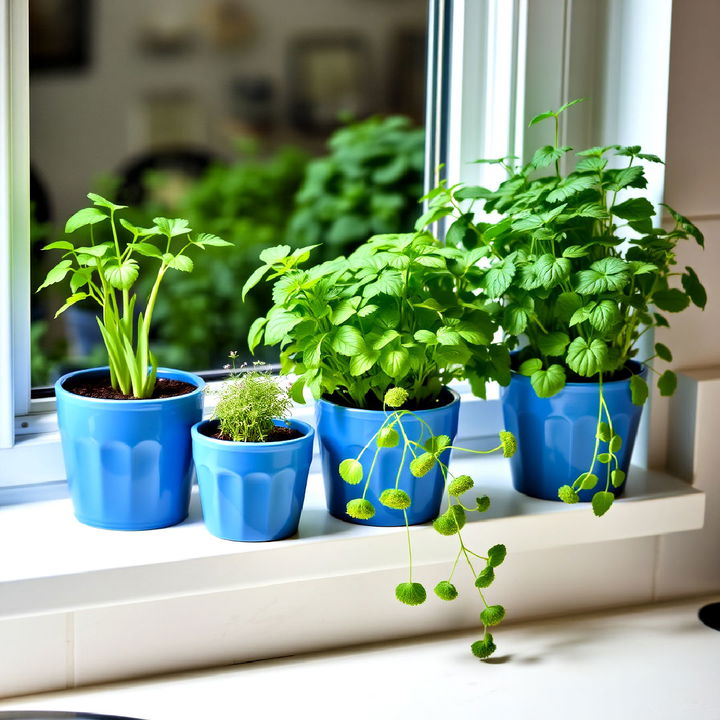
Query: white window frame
(493, 74)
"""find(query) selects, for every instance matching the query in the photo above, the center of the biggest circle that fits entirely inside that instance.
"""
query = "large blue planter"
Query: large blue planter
(342, 434)
(556, 435)
(129, 462)
(252, 492)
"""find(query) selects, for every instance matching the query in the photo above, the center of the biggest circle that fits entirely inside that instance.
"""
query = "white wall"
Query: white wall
(692, 186)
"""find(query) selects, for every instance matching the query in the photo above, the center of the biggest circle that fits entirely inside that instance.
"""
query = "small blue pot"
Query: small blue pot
(252, 492)
(129, 462)
(344, 431)
(556, 435)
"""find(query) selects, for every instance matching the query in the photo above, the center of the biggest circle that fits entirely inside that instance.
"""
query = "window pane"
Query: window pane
(219, 112)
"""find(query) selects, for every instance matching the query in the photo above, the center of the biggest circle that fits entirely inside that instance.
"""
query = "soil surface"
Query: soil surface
(372, 403)
(278, 434)
(101, 389)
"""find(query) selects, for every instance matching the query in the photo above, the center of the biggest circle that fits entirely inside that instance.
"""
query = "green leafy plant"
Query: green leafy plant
(368, 183)
(248, 403)
(583, 274)
(422, 456)
(398, 312)
(387, 328)
(247, 202)
(106, 273)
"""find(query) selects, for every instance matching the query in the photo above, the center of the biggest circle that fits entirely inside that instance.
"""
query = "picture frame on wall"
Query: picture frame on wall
(329, 78)
(59, 35)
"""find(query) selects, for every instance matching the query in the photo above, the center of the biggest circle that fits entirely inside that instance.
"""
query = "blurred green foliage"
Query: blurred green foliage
(368, 182)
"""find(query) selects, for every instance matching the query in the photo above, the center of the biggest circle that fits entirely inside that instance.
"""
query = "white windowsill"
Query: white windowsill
(57, 564)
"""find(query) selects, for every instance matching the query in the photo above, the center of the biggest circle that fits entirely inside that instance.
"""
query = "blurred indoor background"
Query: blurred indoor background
(262, 121)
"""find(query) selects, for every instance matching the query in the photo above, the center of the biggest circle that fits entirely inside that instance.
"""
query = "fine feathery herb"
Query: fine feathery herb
(582, 271)
(248, 403)
(400, 311)
(106, 273)
(421, 456)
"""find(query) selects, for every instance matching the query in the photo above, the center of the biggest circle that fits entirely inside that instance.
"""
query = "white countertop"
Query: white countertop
(657, 662)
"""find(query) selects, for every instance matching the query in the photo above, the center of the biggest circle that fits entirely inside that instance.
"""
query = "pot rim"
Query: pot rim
(376, 413)
(309, 433)
(642, 370)
(191, 378)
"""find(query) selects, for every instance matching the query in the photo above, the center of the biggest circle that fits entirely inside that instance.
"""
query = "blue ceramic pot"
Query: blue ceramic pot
(129, 462)
(249, 491)
(344, 431)
(556, 435)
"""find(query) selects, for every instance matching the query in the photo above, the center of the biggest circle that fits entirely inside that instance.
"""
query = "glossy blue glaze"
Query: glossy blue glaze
(252, 492)
(342, 434)
(129, 462)
(556, 435)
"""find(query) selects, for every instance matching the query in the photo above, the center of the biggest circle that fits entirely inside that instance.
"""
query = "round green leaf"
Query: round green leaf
(351, 471)
(410, 593)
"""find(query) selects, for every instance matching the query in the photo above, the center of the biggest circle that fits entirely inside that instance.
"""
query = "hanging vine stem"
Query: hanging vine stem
(604, 433)
(426, 454)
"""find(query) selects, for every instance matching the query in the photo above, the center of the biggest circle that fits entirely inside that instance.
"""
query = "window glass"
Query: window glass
(261, 121)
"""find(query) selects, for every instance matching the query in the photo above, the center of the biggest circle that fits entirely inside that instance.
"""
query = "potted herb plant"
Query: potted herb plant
(252, 462)
(125, 428)
(398, 312)
(583, 274)
(377, 337)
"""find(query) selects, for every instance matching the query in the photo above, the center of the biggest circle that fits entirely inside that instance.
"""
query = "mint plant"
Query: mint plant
(422, 456)
(106, 273)
(400, 311)
(583, 273)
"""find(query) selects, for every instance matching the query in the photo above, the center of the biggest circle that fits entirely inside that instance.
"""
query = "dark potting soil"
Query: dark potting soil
(277, 435)
(372, 403)
(101, 389)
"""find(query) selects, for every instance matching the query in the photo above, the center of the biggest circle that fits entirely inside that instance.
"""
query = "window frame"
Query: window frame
(484, 81)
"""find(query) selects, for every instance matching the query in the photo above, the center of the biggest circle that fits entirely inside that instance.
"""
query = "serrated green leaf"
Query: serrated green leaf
(634, 209)
(575, 251)
(103, 202)
(123, 275)
(587, 358)
(273, 255)
(547, 383)
(172, 227)
(547, 155)
(551, 271)
(207, 239)
(395, 362)
(347, 340)
(279, 323)
(553, 344)
(181, 262)
(571, 185)
(498, 278)
(530, 366)
(604, 315)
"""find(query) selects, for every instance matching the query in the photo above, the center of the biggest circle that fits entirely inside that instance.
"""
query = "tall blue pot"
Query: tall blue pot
(252, 492)
(342, 434)
(129, 462)
(556, 435)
